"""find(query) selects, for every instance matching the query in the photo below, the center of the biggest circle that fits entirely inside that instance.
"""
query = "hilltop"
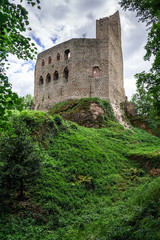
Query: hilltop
(98, 181)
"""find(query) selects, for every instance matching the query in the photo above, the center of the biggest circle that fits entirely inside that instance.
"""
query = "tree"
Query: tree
(143, 102)
(148, 11)
(150, 84)
(20, 159)
(13, 22)
(7, 99)
(26, 102)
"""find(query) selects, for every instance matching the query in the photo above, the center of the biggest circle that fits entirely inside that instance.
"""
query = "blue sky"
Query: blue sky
(61, 20)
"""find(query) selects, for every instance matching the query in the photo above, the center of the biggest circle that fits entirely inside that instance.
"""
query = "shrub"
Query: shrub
(20, 159)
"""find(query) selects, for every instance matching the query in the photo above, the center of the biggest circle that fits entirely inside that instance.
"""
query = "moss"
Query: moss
(78, 110)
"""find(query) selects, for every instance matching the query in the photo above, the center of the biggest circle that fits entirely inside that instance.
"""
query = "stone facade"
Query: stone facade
(82, 68)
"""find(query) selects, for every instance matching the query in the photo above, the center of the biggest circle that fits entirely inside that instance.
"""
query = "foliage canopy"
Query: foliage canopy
(148, 11)
(13, 23)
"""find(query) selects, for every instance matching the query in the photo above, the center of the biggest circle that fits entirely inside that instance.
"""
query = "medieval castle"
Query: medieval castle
(82, 68)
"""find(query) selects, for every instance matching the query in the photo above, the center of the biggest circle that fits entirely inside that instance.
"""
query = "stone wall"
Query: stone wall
(82, 68)
(116, 87)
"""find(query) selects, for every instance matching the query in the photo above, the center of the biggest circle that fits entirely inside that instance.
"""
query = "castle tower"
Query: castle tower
(108, 30)
(82, 67)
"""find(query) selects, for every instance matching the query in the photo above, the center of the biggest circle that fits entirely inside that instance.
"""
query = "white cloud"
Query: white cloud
(21, 75)
(66, 19)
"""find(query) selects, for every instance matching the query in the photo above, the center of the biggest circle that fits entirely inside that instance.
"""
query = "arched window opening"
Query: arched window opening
(55, 75)
(67, 54)
(41, 80)
(48, 78)
(96, 72)
(49, 60)
(43, 62)
(58, 57)
(66, 73)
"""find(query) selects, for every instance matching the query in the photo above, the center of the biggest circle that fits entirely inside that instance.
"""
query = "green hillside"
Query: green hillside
(95, 184)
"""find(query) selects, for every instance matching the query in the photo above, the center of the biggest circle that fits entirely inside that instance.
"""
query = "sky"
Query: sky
(61, 20)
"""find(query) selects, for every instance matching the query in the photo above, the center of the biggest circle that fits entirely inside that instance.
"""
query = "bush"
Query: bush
(19, 159)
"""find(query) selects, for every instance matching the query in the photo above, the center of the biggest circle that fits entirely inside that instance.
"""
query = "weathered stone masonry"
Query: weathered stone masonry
(82, 68)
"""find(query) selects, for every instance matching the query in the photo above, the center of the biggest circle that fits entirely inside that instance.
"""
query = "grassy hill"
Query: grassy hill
(96, 183)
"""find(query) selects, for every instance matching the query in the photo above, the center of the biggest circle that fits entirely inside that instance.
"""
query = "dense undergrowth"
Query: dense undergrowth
(96, 184)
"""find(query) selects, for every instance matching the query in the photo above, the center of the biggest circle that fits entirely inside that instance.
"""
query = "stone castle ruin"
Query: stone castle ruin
(82, 67)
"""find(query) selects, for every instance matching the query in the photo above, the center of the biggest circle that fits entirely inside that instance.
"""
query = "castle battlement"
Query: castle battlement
(82, 67)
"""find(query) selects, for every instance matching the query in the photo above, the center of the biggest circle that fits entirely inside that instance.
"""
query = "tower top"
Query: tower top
(103, 25)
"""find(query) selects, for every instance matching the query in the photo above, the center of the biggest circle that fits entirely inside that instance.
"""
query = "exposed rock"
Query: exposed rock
(119, 115)
(90, 117)
(90, 112)
(96, 110)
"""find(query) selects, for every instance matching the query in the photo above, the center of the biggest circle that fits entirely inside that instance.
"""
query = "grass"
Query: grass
(95, 184)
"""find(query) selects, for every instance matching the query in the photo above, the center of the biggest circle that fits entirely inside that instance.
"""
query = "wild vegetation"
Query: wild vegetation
(94, 183)
(148, 83)
(13, 23)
